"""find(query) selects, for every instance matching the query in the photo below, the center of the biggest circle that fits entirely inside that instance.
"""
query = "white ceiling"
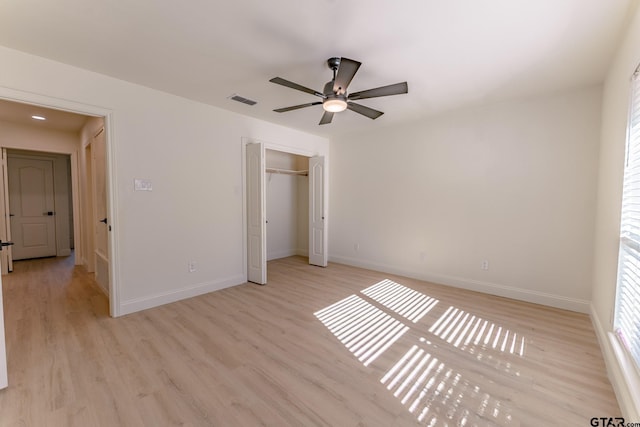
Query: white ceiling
(452, 53)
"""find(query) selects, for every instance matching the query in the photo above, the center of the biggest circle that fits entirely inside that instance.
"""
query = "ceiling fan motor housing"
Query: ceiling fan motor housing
(333, 102)
(333, 63)
(328, 89)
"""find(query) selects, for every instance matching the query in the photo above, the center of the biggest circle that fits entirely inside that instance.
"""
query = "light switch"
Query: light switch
(142, 185)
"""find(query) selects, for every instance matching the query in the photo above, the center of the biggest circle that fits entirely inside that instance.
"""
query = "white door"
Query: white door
(317, 213)
(3, 352)
(5, 225)
(31, 200)
(100, 220)
(256, 230)
(7, 265)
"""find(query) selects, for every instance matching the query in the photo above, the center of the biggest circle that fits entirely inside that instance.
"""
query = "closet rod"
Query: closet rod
(287, 172)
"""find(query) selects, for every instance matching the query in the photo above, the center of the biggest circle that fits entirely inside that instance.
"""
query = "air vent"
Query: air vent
(242, 99)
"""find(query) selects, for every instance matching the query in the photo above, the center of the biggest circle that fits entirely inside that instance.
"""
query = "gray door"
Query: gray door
(31, 201)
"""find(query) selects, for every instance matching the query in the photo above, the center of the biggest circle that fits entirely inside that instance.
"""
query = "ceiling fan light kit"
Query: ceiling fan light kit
(335, 97)
(334, 104)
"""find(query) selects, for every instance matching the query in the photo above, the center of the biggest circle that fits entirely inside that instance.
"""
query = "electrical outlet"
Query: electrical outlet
(192, 266)
(484, 265)
(423, 257)
(356, 247)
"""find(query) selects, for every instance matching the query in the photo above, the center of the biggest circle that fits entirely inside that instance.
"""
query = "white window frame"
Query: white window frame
(627, 307)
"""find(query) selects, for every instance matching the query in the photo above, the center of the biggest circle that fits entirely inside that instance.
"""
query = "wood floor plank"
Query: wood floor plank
(315, 347)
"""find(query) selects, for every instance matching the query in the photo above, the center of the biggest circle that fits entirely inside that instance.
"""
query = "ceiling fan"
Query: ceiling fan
(335, 97)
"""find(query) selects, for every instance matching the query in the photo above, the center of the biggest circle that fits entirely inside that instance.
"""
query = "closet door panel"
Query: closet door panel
(256, 230)
(317, 213)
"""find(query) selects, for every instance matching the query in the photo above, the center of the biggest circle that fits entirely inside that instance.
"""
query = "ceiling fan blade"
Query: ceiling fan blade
(396, 89)
(326, 118)
(292, 85)
(295, 107)
(346, 70)
(365, 111)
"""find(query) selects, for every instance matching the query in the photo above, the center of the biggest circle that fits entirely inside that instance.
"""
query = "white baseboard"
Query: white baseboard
(288, 253)
(139, 304)
(552, 300)
(102, 273)
(282, 254)
(622, 374)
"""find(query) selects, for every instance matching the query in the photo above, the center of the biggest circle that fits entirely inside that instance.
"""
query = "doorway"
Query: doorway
(292, 162)
(68, 130)
(20, 133)
(287, 204)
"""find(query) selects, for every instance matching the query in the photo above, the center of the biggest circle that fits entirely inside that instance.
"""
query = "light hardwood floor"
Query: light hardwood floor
(338, 346)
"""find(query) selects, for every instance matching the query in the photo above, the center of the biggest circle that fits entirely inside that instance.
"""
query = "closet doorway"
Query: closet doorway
(285, 205)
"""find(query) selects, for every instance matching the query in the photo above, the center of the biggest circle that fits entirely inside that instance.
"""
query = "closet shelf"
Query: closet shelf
(287, 172)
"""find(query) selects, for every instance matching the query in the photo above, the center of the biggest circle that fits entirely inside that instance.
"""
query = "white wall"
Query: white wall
(513, 184)
(192, 154)
(24, 137)
(282, 214)
(282, 203)
(302, 188)
(611, 170)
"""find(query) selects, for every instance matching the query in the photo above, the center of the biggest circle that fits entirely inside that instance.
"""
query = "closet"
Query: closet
(287, 204)
(284, 204)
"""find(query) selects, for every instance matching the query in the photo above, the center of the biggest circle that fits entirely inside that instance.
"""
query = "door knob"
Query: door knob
(104, 220)
(50, 213)
(3, 244)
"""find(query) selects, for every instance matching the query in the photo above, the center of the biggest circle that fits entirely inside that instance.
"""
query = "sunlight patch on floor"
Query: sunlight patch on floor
(462, 329)
(427, 387)
(364, 330)
(434, 392)
(409, 303)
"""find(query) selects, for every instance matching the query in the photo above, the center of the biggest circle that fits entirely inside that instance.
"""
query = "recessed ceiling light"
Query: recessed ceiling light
(38, 118)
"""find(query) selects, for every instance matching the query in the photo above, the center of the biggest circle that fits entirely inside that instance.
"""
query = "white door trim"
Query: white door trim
(112, 187)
